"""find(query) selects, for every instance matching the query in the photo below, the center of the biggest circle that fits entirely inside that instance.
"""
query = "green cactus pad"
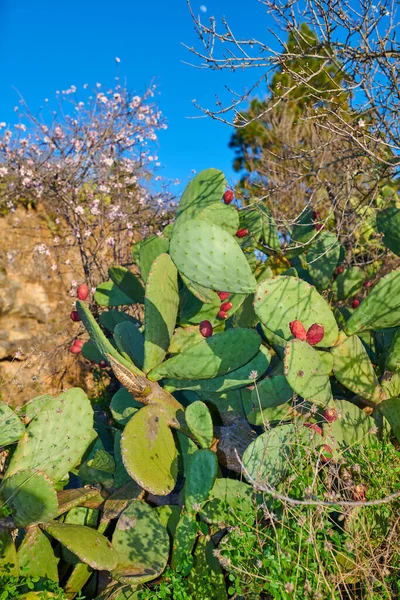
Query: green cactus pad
(348, 284)
(123, 406)
(236, 379)
(8, 554)
(90, 546)
(130, 342)
(205, 295)
(56, 439)
(109, 294)
(186, 448)
(200, 478)
(184, 541)
(199, 421)
(118, 501)
(169, 516)
(184, 338)
(245, 315)
(34, 407)
(31, 497)
(214, 356)
(271, 392)
(36, 556)
(353, 368)
(206, 189)
(327, 360)
(148, 451)
(351, 427)
(268, 458)
(322, 257)
(111, 318)
(192, 310)
(206, 579)
(224, 216)
(393, 357)
(128, 283)
(388, 223)
(150, 249)
(91, 352)
(391, 410)
(161, 309)
(306, 373)
(11, 426)
(142, 544)
(208, 255)
(79, 516)
(269, 228)
(380, 309)
(229, 498)
(280, 300)
(302, 232)
(102, 344)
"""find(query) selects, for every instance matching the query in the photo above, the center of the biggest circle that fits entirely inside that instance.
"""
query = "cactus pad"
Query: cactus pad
(184, 338)
(267, 459)
(128, 283)
(217, 355)
(200, 479)
(348, 284)
(56, 439)
(90, 546)
(110, 319)
(142, 544)
(199, 421)
(161, 309)
(123, 406)
(148, 451)
(391, 410)
(352, 426)
(184, 541)
(236, 379)
(150, 249)
(388, 223)
(227, 498)
(353, 368)
(306, 373)
(322, 257)
(281, 300)
(31, 497)
(380, 309)
(226, 217)
(206, 578)
(109, 294)
(393, 357)
(36, 556)
(11, 426)
(271, 392)
(206, 189)
(205, 295)
(130, 342)
(208, 255)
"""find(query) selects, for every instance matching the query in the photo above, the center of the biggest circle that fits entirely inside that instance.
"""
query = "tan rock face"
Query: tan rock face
(36, 274)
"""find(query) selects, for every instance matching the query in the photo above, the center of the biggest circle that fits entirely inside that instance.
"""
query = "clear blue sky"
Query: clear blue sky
(46, 45)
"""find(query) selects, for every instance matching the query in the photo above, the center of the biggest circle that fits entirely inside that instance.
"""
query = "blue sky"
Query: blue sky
(47, 45)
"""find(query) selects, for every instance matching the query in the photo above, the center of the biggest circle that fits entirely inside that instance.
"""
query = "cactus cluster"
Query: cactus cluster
(213, 383)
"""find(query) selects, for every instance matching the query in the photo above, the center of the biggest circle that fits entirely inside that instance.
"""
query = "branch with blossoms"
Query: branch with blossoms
(92, 163)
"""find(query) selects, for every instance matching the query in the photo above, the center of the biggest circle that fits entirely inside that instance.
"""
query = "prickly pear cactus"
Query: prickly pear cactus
(149, 452)
(56, 439)
(200, 479)
(199, 421)
(12, 427)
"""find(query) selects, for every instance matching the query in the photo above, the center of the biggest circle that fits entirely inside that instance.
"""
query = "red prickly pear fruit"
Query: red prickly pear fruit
(340, 270)
(317, 226)
(314, 427)
(226, 306)
(222, 315)
(356, 303)
(103, 364)
(359, 493)
(298, 330)
(241, 233)
(315, 215)
(326, 453)
(223, 295)
(75, 316)
(82, 291)
(79, 343)
(330, 415)
(315, 334)
(367, 284)
(228, 196)
(75, 349)
(206, 329)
